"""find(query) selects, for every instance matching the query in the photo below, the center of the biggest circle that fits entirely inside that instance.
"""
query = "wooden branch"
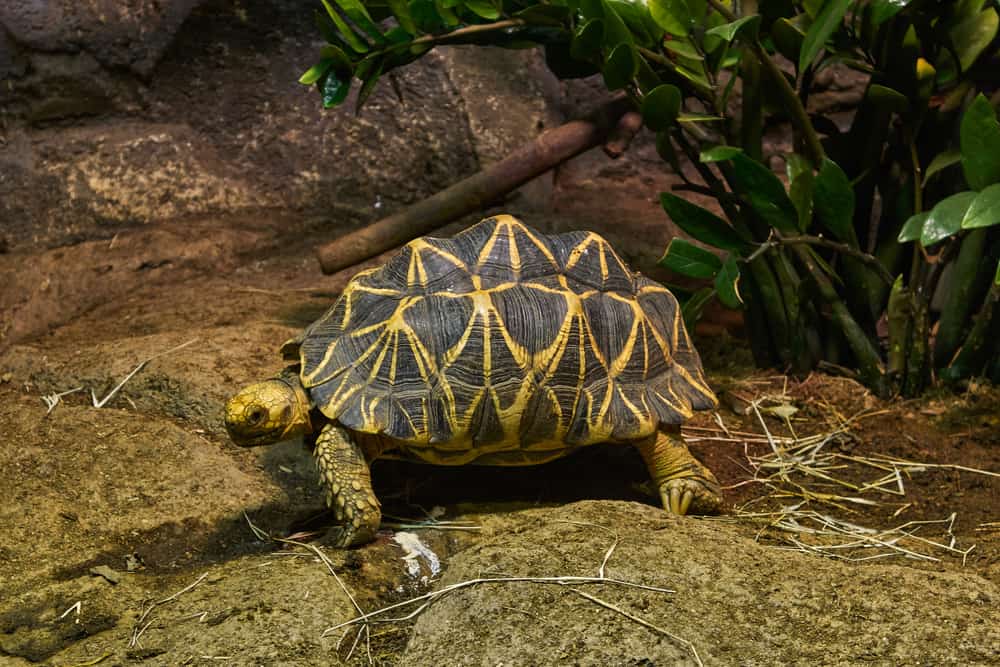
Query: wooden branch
(475, 192)
(621, 137)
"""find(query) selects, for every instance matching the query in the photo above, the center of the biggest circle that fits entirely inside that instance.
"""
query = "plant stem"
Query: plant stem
(865, 354)
(468, 30)
(793, 105)
(707, 93)
(961, 290)
(976, 350)
(752, 122)
(917, 371)
(714, 183)
(841, 248)
(899, 316)
(773, 308)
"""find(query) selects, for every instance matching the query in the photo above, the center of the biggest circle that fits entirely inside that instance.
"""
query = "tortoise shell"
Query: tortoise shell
(502, 341)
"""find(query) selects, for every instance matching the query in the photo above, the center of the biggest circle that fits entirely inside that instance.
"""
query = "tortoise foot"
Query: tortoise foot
(349, 535)
(690, 495)
(344, 473)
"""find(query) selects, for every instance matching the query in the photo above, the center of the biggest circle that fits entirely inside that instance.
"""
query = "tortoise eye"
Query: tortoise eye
(256, 416)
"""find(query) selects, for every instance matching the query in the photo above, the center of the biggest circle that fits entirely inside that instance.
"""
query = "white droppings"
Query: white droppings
(413, 550)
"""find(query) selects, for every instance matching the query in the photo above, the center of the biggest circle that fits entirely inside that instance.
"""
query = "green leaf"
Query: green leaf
(692, 308)
(401, 10)
(345, 31)
(913, 227)
(940, 162)
(334, 89)
(661, 106)
(586, 44)
(729, 31)
(887, 99)
(360, 16)
(555, 15)
(719, 153)
(701, 224)
(727, 284)
(682, 47)
(996, 276)
(483, 8)
(883, 10)
(795, 164)
(971, 36)
(647, 78)
(765, 193)
(615, 30)
(788, 37)
(985, 209)
(447, 14)
(621, 67)
(640, 24)
(946, 218)
(370, 79)
(665, 149)
(800, 191)
(826, 23)
(426, 16)
(979, 137)
(314, 73)
(674, 16)
(833, 200)
(689, 260)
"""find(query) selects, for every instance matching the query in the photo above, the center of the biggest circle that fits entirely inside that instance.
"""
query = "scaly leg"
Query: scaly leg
(344, 472)
(684, 483)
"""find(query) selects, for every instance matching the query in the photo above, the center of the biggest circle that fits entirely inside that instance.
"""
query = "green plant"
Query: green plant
(840, 266)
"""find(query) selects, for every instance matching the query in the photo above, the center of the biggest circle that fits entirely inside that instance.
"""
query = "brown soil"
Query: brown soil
(120, 507)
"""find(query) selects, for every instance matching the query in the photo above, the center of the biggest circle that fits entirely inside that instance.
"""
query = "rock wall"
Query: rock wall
(117, 114)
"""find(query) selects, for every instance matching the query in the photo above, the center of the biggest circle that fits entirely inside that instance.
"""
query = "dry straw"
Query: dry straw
(811, 479)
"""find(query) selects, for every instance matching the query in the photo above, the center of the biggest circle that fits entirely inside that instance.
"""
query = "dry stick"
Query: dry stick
(137, 630)
(621, 137)
(427, 598)
(644, 623)
(475, 192)
(102, 402)
(263, 535)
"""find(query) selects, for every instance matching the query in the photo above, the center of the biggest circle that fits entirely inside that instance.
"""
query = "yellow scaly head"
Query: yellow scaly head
(268, 412)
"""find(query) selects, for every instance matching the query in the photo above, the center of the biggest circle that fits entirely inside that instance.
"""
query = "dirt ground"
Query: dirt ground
(127, 530)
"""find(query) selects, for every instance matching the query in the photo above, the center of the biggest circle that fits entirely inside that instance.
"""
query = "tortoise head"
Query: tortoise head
(268, 412)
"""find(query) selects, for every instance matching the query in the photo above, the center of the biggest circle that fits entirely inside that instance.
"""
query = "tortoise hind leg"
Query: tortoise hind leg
(685, 484)
(344, 472)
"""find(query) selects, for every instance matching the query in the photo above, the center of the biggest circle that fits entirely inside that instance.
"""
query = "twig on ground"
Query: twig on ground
(102, 402)
(138, 628)
(89, 663)
(611, 549)
(801, 468)
(365, 630)
(52, 400)
(76, 607)
(425, 600)
(644, 623)
(405, 523)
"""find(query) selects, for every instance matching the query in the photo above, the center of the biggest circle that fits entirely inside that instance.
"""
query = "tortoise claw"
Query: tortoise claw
(342, 537)
(689, 494)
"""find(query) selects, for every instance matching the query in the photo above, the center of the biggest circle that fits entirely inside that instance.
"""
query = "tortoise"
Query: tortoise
(498, 346)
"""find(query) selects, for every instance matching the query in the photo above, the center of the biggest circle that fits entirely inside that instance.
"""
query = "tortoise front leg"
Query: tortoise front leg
(684, 483)
(344, 472)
